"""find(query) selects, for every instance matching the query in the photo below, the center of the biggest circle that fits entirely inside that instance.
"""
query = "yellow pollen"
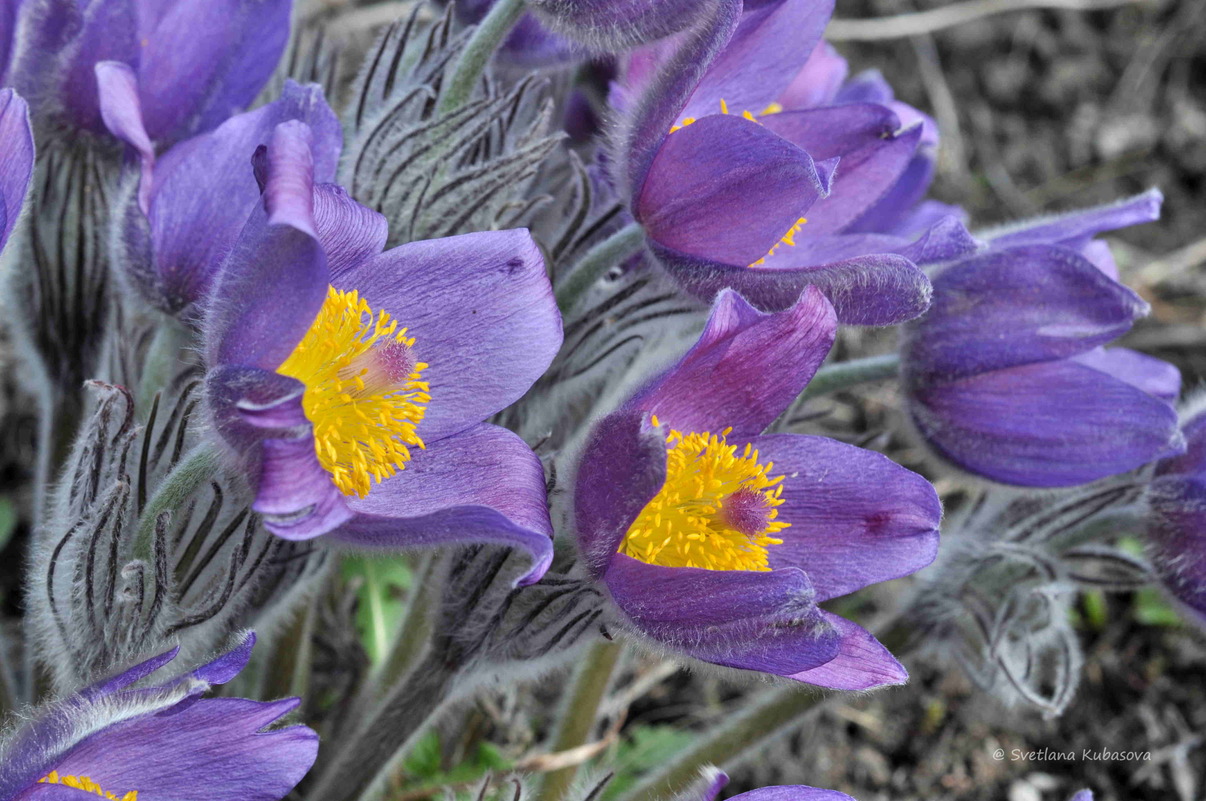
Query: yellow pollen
(85, 784)
(788, 239)
(773, 108)
(364, 395)
(694, 520)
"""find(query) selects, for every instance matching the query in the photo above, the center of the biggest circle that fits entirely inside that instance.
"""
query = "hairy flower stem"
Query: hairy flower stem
(368, 751)
(161, 362)
(843, 375)
(489, 34)
(773, 713)
(579, 711)
(197, 467)
(623, 244)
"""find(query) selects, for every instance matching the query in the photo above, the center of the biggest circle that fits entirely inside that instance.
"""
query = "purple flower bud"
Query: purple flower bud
(1006, 376)
(16, 159)
(1177, 527)
(719, 542)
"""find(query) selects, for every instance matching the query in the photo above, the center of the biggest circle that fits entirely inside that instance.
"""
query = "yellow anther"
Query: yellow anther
(87, 785)
(788, 239)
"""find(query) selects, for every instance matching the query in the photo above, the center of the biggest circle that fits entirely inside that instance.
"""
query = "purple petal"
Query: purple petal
(769, 48)
(791, 792)
(108, 33)
(880, 289)
(857, 517)
(481, 311)
(289, 183)
(869, 86)
(119, 108)
(1075, 229)
(204, 189)
(295, 494)
(207, 59)
(1102, 257)
(1083, 795)
(16, 159)
(483, 485)
(726, 189)
(1177, 537)
(874, 155)
(890, 211)
(713, 781)
(229, 664)
(746, 369)
(127, 677)
(862, 662)
(622, 468)
(763, 621)
(818, 81)
(1052, 424)
(210, 750)
(250, 404)
(349, 232)
(1024, 304)
(8, 24)
(1155, 377)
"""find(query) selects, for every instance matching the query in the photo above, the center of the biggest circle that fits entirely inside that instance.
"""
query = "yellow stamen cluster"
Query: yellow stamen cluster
(773, 108)
(87, 785)
(788, 239)
(691, 521)
(364, 395)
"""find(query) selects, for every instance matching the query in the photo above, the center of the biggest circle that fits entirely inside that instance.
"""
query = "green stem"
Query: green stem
(843, 375)
(579, 713)
(772, 714)
(598, 260)
(198, 466)
(486, 38)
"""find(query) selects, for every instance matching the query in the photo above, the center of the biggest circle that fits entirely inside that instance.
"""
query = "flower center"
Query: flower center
(85, 784)
(363, 395)
(716, 510)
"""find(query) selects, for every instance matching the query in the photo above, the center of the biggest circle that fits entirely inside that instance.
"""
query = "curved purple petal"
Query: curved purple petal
(482, 313)
(1177, 537)
(791, 792)
(726, 189)
(818, 81)
(117, 86)
(874, 154)
(770, 47)
(862, 662)
(483, 485)
(1004, 308)
(857, 517)
(892, 210)
(228, 665)
(1075, 229)
(746, 369)
(349, 232)
(210, 750)
(107, 32)
(204, 189)
(1155, 377)
(879, 289)
(763, 621)
(207, 59)
(622, 468)
(1051, 424)
(16, 159)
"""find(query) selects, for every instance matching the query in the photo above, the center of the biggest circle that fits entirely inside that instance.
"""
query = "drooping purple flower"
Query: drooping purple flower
(193, 201)
(353, 383)
(16, 160)
(1177, 526)
(193, 62)
(719, 542)
(742, 180)
(1006, 376)
(163, 742)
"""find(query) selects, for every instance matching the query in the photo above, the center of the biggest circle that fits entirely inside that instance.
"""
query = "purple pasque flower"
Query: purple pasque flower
(16, 160)
(1177, 522)
(353, 383)
(1006, 376)
(715, 780)
(719, 542)
(735, 189)
(193, 201)
(164, 742)
(194, 62)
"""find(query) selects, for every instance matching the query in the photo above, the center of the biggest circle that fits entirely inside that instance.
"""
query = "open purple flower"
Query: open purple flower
(1177, 527)
(353, 383)
(719, 542)
(742, 180)
(1006, 376)
(194, 62)
(193, 201)
(16, 160)
(164, 742)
